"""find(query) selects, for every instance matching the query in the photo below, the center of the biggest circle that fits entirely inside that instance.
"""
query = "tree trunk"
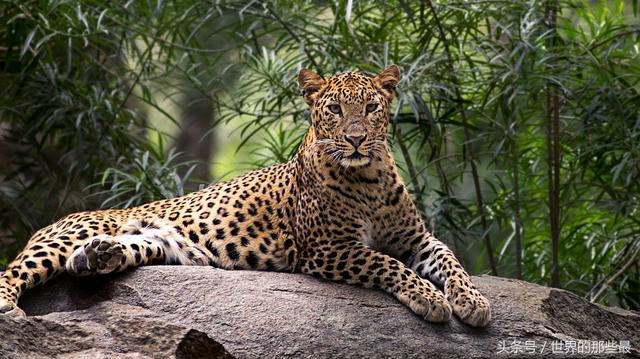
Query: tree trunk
(195, 140)
(553, 147)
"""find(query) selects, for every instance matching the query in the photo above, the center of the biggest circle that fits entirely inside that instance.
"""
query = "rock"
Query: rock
(190, 312)
(104, 331)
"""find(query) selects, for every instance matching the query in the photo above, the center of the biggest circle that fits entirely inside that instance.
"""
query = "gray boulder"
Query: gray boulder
(192, 312)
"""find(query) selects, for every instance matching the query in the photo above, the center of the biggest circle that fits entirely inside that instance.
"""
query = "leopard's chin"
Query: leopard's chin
(355, 160)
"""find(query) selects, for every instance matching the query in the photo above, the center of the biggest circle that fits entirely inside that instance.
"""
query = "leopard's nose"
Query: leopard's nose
(356, 140)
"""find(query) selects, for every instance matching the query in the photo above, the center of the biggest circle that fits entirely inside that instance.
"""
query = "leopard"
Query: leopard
(337, 210)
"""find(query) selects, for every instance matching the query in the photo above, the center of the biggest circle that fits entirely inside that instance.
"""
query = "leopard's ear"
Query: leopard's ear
(310, 83)
(387, 81)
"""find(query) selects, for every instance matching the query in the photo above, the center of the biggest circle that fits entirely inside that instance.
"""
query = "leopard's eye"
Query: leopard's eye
(335, 109)
(371, 107)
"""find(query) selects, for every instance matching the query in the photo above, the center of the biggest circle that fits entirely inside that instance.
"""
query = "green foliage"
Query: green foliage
(470, 129)
(153, 175)
(77, 80)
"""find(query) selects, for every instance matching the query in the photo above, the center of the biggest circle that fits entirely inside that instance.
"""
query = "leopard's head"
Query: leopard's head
(350, 113)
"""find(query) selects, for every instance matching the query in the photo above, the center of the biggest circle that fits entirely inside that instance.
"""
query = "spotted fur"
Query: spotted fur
(337, 210)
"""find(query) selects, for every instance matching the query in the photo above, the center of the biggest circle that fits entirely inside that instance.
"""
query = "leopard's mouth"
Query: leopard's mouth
(356, 159)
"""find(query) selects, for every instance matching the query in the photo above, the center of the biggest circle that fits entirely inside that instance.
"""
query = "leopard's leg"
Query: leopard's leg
(9, 294)
(354, 263)
(410, 241)
(435, 261)
(47, 252)
(137, 243)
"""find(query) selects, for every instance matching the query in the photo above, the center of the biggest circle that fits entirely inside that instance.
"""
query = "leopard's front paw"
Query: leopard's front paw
(470, 306)
(433, 307)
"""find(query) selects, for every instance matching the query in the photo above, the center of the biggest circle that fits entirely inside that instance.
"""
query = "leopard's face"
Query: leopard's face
(350, 114)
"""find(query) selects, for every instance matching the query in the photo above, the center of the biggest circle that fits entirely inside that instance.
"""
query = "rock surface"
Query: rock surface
(191, 312)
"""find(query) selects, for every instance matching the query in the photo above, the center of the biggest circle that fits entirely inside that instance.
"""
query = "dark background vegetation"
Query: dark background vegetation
(517, 124)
